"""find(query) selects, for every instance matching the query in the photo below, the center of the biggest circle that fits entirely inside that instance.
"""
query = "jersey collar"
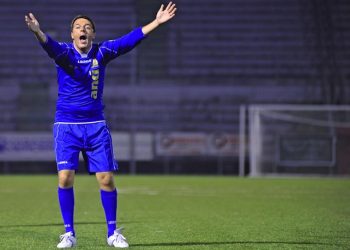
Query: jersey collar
(82, 55)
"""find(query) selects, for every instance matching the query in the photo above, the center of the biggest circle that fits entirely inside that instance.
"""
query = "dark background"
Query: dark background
(191, 74)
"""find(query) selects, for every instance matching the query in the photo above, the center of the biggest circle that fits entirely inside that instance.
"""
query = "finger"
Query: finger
(27, 20)
(172, 12)
(32, 16)
(172, 7)
(167, 7)
(161, 8)
(170, 17)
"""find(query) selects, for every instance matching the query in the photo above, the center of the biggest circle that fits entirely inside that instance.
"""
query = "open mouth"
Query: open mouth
(82, 38)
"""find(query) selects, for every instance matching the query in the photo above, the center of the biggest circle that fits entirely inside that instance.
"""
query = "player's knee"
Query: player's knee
(106, 181)
(65, 179)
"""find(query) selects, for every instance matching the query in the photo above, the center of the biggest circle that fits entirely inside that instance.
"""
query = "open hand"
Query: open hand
(32, 22)
(166, 14)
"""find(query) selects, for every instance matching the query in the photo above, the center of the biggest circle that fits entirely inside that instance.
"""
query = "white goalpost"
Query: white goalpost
(299, 139)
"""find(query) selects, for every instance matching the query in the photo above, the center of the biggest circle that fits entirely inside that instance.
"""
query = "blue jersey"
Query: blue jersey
(81, 76)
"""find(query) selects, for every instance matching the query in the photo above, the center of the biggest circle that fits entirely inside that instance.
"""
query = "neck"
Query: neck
(82, 51)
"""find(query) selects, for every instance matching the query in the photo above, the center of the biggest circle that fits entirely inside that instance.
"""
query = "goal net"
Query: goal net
(299, 139)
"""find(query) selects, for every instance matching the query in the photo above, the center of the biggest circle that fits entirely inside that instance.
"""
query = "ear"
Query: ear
(71, 35)
(93, 35)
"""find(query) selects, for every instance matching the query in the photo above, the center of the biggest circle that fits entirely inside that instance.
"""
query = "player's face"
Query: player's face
(82, 35)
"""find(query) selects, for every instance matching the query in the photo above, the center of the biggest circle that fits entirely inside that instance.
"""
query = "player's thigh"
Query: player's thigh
(67, 146)
(100, 155)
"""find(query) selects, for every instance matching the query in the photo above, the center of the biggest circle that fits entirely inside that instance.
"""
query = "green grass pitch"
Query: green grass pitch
(183, 212)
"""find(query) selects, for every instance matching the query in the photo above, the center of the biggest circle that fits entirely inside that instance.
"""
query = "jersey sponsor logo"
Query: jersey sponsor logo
(84, 61)
(95, 74)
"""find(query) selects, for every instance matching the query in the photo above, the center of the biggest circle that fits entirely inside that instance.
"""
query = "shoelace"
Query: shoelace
(65, 236)
(118, 234)
(121, 236)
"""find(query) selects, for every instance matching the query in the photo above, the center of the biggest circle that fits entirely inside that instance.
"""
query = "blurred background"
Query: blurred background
(229, 87)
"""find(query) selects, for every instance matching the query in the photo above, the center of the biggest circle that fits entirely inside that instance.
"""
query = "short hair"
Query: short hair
(84, 17)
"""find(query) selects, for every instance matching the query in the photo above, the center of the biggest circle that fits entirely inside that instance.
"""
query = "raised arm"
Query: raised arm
(33, 26)
(54, 49)
(163, 16)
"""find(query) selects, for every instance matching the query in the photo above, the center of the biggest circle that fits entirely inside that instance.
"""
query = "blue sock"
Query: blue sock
(66, 200)
(109, 203)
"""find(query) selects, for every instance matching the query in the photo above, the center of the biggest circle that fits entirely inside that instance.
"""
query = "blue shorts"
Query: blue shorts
(92, 139)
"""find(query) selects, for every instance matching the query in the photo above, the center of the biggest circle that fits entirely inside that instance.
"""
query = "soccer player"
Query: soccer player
(79, 122)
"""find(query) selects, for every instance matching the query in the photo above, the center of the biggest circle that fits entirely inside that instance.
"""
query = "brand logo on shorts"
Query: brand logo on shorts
(62, 162)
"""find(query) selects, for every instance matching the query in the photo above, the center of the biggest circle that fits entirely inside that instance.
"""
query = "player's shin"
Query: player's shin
(109, 203)
(66, 201)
